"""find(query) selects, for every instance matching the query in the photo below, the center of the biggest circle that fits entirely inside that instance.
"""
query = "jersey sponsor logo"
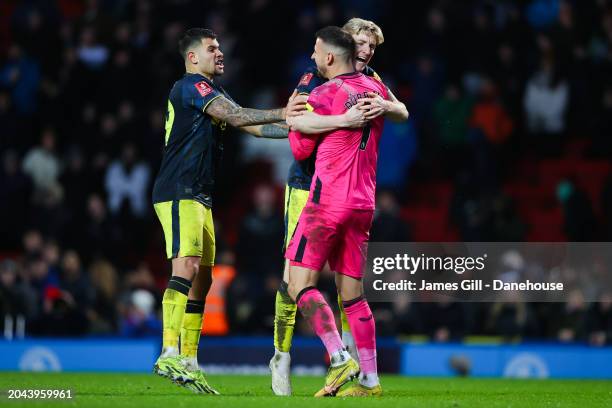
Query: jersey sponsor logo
(306, 79)
(203, 88)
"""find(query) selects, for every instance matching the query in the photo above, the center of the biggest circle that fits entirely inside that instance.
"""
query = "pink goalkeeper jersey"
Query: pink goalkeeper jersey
(345, 166)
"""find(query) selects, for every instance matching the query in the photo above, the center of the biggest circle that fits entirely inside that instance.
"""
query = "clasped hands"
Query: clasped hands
(366, 109)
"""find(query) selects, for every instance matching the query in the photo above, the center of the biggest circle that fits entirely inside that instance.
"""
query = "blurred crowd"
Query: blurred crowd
(491, 87)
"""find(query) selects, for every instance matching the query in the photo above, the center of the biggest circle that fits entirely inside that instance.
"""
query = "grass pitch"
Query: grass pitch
(117, 390)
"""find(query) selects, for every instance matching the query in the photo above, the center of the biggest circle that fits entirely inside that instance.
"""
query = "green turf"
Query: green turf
(142, 390)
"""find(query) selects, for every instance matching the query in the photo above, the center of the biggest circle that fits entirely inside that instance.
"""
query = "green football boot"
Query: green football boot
(338, 376)
(198, 384)
(360, 390)
(172, 368)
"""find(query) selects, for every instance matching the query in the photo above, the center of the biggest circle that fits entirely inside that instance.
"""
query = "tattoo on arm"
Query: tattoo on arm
(275, 130)
(279, 130)
(225, 110)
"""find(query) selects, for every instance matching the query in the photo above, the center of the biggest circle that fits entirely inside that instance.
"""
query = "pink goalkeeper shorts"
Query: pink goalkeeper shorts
(326, 233)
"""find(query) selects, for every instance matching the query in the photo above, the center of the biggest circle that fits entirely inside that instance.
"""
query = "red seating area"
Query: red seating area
(533, 189)
(428, 213)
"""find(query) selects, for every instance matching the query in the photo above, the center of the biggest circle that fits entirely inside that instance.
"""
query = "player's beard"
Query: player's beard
(322, 70)
(219, 70)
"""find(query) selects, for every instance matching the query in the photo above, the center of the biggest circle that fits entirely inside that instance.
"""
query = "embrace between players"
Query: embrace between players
(334, 121)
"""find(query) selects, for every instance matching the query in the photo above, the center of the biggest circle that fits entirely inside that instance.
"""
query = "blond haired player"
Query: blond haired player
(367, 36)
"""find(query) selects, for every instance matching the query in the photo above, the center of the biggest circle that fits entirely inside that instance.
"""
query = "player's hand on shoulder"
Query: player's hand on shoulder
(296, 105)
(374, 106)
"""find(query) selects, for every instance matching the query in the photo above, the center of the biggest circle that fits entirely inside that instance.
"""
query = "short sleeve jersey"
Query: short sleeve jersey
(300, 172)
(193, 142)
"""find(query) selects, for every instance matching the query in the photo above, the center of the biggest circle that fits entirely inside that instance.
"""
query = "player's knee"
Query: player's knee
(186, 267)
(349, 288)
(294, 288)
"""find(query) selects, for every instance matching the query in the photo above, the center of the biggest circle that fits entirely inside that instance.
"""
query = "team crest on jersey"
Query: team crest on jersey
(203, 88)
(306, 79)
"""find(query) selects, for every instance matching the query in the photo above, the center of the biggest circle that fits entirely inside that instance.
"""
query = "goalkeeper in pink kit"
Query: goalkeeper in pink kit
(335, 223)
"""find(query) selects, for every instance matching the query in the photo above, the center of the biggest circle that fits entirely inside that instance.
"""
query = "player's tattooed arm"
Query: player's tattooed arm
(237, 116)
(279, 130)
(312, 123)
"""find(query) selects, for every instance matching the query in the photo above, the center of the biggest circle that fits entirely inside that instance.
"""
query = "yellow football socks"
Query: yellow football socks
(284, 319)
(192, 328)
(173, 310)
(345, 325)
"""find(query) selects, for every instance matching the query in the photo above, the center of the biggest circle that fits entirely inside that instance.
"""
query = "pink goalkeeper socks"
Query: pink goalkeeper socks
(315, 309)
(361, 322)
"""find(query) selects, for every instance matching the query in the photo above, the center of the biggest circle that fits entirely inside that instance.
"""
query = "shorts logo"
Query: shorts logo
(203, 88)
(306, 79)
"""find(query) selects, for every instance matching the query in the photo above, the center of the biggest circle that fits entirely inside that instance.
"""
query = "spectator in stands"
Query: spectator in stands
(545, 102)
(140, 278)
(39, 276)
(387, 225)
(10, 123)
(127, 179)
(16, 297)
(446, 321)
(75, 182)
(43, 166)
(75, 281)
(510, 320)
(98, 236)
(600, 320)
(570, 321)
(33, 242)
(260, 239)
(491, 126)
(123, 76)
(509, 75)
(507, 225)
(139, 318)
(137, 304)
(489, 116)
(397, 152)
(578, 216)
(51, 254)
(21, 75)
(15, 196)
(542, 13)
(427, 78)
(451, 114)
(259, 257)
(469, 210)
(91, 52)
(103, 314)
(49, 213)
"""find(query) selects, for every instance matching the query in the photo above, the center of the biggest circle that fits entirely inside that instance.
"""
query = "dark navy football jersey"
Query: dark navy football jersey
(194, 142)
(300, 172)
